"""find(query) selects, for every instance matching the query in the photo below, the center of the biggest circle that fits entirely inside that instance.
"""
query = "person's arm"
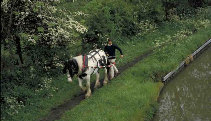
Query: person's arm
(116, 47)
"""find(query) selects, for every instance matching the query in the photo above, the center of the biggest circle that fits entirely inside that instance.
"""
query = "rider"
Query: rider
(110, 51)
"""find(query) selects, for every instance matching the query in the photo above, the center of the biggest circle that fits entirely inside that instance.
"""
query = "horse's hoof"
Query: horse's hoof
(116, 74)
(70, 80)
(105, 82)
(83, 89)
(88, 95)
(97, 85)
(111, 78)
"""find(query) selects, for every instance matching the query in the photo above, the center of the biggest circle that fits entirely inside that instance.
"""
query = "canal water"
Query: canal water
(187, 97)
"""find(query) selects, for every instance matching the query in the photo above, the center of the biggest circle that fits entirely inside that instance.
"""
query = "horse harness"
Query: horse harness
(85, 58)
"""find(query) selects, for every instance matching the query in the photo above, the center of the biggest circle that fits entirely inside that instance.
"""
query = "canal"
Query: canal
(187, 97)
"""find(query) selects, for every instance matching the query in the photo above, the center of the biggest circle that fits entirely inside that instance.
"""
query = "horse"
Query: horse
(83, 66)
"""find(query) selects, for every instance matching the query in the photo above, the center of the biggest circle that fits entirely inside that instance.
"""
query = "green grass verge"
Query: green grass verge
(41, 106)
(132, 48)
(132, 95)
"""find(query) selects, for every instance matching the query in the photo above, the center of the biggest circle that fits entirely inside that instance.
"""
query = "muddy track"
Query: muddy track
(58, 111)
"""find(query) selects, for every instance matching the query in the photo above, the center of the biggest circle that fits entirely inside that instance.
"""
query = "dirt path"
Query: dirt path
(58, 111)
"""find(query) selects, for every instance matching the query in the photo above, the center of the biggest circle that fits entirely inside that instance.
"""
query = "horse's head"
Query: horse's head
(72, 67)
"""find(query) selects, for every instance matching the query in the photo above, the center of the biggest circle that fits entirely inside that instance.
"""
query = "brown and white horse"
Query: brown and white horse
(84, 66)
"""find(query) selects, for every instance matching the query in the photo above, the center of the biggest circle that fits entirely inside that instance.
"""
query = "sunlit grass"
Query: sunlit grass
(131, 96)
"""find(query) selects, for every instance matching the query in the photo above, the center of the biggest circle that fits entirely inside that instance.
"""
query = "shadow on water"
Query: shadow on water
(187, 97)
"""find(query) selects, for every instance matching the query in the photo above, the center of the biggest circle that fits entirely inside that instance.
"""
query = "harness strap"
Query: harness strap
(93, 57)
(96, 52)
(99, 55)
(114, 63)
(93, 70)
(85, 62)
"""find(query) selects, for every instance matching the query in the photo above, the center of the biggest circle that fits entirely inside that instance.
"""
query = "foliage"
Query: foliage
(37, 36)
(121, 18)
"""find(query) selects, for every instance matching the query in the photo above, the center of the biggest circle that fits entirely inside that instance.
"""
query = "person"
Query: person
(110, 51)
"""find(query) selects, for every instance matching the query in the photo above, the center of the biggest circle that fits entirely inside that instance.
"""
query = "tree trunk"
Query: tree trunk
(9, 29)
(18, 48)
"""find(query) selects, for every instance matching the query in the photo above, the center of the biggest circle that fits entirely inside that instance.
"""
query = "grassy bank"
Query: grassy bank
(39, 36)
(151, 69)
(40, 106)
(132, 96)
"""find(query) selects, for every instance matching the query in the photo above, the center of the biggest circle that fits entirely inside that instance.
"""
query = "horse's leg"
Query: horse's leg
(111, 72)
(97, 84)
(68, 77)
(80, 84)
(89, 92)
(105, 77)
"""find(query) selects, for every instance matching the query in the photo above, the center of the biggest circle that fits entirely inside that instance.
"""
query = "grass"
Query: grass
(67, 90)
(133, 95)
(119, 101)
(136, 81)
(41, 106)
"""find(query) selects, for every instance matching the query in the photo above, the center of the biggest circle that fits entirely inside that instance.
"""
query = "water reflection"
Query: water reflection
(188, 96)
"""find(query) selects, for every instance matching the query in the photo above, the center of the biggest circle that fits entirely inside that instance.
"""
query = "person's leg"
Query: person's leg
(111, 72)
(115, 68)
(105, 77)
